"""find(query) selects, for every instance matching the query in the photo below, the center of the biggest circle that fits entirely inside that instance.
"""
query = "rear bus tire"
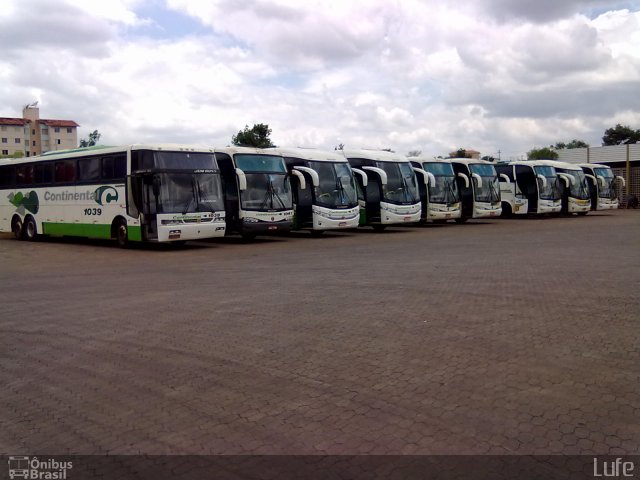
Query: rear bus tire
(121, 233)
(29, 229)
(16, 228)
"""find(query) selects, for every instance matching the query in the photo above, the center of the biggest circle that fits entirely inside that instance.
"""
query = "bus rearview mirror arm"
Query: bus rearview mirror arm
(592, 178)
(380, 172)
(568, 181)
(315, 179)
(622, 180)
(465, 178)
(506, 178)
(242, 179)
(478, 179)
(543, 179)
(300, 177)
(363, 175)
(428, 177)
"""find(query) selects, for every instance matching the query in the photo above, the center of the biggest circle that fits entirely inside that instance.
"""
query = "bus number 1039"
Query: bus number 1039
(93, 211)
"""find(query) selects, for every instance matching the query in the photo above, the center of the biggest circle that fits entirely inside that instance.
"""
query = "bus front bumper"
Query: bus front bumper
(332, 219)
(394, 214)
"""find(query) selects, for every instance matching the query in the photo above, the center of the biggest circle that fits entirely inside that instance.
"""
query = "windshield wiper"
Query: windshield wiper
(191, 200)
(270, 194)
(451, 195)
(200, 198)
(493, 193)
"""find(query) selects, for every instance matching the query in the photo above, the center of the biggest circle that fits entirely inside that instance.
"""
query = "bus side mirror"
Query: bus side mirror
(242, 179)
(508, 180)
(592, 178)
(363, 176)
(543, 179)
(465, 178)
(301, 180)
(381, 173)
(622, 181)
(478, 179)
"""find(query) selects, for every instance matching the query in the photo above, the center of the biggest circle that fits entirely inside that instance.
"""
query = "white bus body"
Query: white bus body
(324, 189)
(479, 187)
(155, 193)
(388, 188)
(258, 196)
(574, 187)
(601, 185)
(528, 187)
(438, 189)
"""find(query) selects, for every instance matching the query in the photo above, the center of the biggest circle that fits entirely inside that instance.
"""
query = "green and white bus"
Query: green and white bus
(143, 193)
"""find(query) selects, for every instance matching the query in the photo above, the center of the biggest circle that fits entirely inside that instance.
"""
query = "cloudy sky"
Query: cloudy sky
(492, 75)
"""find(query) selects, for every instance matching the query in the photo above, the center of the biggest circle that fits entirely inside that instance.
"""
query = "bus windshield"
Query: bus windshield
(607, 190)
(550, 191)
(490, 190)
(267, 183)
(189, 192)
(579, 188)
(446, 190)
(337, 187)
(402, 186)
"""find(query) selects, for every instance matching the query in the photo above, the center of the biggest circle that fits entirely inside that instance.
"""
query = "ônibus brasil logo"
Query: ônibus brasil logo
(31, 203)
(34, 468)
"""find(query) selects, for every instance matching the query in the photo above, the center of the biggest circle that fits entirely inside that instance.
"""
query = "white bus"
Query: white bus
(479, 187)
(257, 189)
(602, 186)
(324, 189)
(528, 187)
(438, 189)
(153, 193)
(574, 190)
(388, 188)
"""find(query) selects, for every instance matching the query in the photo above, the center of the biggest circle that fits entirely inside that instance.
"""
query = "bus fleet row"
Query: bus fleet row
(174, 193)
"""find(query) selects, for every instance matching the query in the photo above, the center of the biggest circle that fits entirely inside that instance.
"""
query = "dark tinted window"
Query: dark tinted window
(65, 171)
(89, 168)
(24, 174)
(7, 176)
(44, 173)
(114, 167)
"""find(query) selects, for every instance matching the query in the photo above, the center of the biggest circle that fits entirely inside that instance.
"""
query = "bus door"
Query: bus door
(230, 188)
(144, 189)
(527, 183)
(593, 189)
(302, 200)
(465, 186)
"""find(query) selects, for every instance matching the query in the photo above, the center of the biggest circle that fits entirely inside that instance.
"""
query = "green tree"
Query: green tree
(93, 139)
(619, 135)
(545, 153)
(488, 158)
(256, 136)
(572, 144)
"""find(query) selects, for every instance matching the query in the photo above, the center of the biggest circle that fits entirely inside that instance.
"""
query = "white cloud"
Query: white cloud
(433, 76)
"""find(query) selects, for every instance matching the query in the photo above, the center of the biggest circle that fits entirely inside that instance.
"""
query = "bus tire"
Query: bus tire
(461, 219)
(121, 232)
(248, 237)
(506, 210)
(317, 233)
(378, 228)
(29, 229)
(16, 227)
(582, 214)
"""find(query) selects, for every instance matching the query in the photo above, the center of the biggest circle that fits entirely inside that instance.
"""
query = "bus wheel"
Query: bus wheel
(582, 214)
(378, 227)
(247, 237)
(16, 228)
(317, 233)
(29, 230)
(506, 210)
(121, 233)
(461, 219)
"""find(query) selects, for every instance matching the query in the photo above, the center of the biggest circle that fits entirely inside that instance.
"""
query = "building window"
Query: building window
(70, 130)
(28, 154)
(33, 132)
(34, 143)
(17, 140)
(58, 141)
(4, 140)
(56, 129)
(5, 152)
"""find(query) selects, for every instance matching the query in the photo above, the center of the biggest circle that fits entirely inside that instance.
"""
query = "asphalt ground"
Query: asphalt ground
(496, 337)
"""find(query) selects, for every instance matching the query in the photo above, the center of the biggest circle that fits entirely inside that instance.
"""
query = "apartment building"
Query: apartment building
(33, 135)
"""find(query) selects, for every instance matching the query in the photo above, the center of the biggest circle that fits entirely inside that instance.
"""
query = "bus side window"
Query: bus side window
(65, 171)
(44, 173)
(24, 175)
(507, 170)
(89, 169)
(7, 176)
(114, 167)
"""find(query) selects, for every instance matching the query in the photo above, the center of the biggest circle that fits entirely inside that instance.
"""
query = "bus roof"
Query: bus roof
(314, 154)
(423, 159)
(377, 155)
(557, 164)
(470, 161)
(81, 152)
(594, 165)
(234, 149)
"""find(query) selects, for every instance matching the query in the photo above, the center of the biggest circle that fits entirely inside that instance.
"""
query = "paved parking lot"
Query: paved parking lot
(506, 336)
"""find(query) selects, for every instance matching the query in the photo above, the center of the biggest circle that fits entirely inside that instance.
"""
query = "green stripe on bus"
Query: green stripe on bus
(89, 230)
